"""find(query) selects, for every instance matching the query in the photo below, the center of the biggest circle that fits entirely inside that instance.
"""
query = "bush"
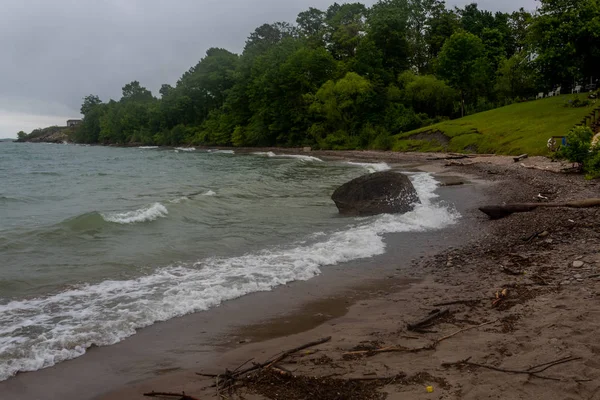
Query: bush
(576, 102)
(579, 150)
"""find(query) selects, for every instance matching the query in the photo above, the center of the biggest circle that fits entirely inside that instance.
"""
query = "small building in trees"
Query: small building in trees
(73, 122)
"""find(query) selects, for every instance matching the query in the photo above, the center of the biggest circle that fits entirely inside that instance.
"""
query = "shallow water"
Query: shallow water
(97, 242)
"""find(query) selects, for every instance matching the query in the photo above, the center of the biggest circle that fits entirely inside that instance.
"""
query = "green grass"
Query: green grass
(514, 129)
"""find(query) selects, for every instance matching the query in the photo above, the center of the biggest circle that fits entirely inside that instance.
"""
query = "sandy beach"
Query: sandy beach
(545, 261)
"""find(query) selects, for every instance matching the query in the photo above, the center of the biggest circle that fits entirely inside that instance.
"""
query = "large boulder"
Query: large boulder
(379, 193)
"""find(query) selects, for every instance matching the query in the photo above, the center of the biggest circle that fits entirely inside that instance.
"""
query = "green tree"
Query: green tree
(342, 106)
(566, 40)
(462, 64)
(515, 77)
(21, 135)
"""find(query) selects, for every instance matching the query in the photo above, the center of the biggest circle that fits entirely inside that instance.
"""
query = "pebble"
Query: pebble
(565, 283)
(577, 276)
(578, 264)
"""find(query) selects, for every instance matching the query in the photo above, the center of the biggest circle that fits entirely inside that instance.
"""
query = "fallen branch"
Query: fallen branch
(521, 157)
(182, 395)
(228, 378)
(501, 211)
(533, 371)
(427, 321)
(450, 303)
(432, 346)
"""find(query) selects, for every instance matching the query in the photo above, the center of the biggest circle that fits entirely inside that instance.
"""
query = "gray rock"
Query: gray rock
(577, 276)
(578, 264)
(385, 192)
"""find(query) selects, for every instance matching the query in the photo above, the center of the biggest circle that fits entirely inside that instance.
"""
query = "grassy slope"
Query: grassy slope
(515, 129)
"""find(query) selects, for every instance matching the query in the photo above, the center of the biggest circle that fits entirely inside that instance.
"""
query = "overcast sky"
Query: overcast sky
(53, 53)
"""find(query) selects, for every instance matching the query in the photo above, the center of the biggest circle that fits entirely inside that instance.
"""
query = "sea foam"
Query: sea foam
(107, 312)
(296, 156)
(372, 167)
(145, 214)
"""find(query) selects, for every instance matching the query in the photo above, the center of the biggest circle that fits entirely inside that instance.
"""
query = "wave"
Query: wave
(372, 167)
(179, 200)
(41, 332)
(148, 147)
(185, 149)
(145, 214)
(296, 156)
(209, 193)
(221, 151)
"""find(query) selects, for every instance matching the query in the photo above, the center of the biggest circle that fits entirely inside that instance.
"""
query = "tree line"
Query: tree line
(351, 76)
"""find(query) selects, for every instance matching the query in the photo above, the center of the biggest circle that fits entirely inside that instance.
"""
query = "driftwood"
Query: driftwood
(401, 349)
(181, 396)
(228, 378)
(428, 320)
(501, 211)
(521, 157)
(533, 371)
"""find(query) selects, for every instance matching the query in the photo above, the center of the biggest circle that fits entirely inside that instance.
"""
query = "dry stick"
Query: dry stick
(501, 211)
(229, 376)
(533, 371)
(432, 346)
(428, 320)
(450, 303)
(182, 395)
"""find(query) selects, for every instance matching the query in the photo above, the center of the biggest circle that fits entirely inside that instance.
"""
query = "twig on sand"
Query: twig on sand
(228, 378)
(428, 320)
(432, 346)
(181, 396)
(533, 371)
(450, 303)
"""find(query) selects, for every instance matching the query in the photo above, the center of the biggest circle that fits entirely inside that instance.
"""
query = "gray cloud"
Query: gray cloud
(55, 52)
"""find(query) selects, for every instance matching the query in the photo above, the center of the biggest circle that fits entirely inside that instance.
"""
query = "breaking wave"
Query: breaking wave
(372, 167)
(69, 322)
(146, 214)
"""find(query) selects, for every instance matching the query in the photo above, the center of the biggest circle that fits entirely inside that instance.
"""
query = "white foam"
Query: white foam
(222, 151)
(148, 147)
(209, 193)
(179, 200)
(296, 156)
(372, 167)
(185, 149)
(67, 323)
(145, 214)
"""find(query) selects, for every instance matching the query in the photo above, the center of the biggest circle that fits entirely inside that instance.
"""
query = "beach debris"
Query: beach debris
(180, 396)
(532, 371)
(428, 321)
(432, 346)
(228, 379)
(501, 211)
(429, 389)
(521, 157)
(454, 302)
(500, 295)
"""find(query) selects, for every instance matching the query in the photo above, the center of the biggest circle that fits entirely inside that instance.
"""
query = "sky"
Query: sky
(53, 53)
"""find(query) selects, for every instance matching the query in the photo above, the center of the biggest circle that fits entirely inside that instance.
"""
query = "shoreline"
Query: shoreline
(369, 310)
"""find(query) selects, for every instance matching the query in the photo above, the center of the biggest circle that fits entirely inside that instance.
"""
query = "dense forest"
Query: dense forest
(352, 76)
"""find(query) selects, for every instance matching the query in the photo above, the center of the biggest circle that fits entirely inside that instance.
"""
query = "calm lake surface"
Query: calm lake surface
(96, 242)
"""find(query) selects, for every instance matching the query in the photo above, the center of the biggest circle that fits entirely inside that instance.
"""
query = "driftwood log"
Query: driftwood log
(501, 211)
(521, 157)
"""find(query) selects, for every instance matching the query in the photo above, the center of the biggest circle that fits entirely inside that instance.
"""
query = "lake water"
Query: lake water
(97, 242)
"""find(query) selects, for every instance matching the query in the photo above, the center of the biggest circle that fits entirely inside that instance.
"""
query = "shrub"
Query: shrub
(579, 150)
